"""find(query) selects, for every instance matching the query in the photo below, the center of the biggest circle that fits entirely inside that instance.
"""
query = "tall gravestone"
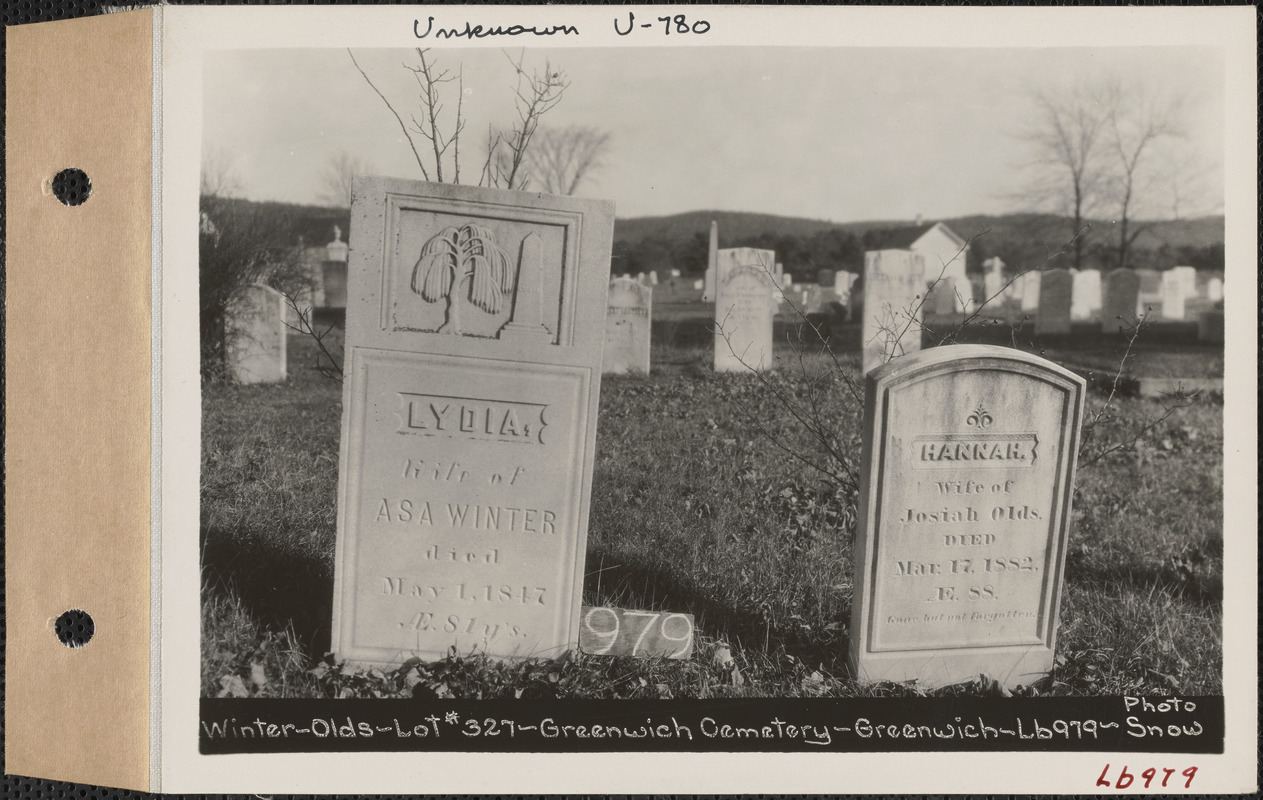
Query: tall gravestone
(474, 336)
(1174, 292)
(894, 282)
(627, 327)
(1085, 294)
(966, 483)
(333, 271)
(1187, 278)
(1150, 290)
(1030, 290)
(255, 336)
(712, 253)
(1214, 289)
(941, 296)
(1052, 318)
(993, 281)
(1119, 306)
(743, 320)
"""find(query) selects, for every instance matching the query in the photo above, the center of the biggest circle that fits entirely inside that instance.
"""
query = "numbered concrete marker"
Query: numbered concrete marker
(475, 322)
(607, 631)
(968, 468)
(743, 317)
(627, 327)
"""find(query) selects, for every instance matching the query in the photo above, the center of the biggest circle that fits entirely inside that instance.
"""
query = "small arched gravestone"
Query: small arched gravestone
(969, 457)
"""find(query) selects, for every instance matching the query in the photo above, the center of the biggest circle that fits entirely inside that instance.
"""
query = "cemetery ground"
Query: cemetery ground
(704, 502)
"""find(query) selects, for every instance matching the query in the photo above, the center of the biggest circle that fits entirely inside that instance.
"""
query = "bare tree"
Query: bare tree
(536, 93)
(560, 158)
(1065, 140)
(336, 180)
(219, 174)
(1139, 121)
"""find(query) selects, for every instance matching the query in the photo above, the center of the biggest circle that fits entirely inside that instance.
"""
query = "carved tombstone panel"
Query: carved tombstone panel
(256, 342)
(743, 320)
(968, 468)
(1122, 294)
(471, 379)
(894, 288)
(1056, 287)
(627, 327)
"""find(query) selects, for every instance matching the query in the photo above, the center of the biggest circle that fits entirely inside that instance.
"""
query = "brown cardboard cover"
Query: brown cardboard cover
(77, 354)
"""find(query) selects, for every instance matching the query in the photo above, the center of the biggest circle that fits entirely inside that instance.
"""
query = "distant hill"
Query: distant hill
(1046, 228)
(1021, 240)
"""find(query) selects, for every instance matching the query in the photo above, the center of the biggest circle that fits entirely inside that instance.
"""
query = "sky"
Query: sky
(840, 134)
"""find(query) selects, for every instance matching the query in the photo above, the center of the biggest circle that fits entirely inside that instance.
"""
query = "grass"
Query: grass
(695, 509)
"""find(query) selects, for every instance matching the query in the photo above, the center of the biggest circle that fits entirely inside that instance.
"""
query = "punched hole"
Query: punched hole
(72, 186)
(74, 628)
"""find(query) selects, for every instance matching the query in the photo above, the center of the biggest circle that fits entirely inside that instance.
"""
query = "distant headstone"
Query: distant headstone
(256, 351)
(1052, 318)
(653, 278)
(993, 281)
(712, 270)
(1118, 311)
(743, 320)
(333, 279)
(1187, 277)
(336, 249)
(471, 383)
(698, 286)
(787, 280)
(1030, 290)
(1085, 294)
(675, 273)
(627, 325)
(894, 282)
(967, 476)
(1214, 289)
(1174, 291)
(1150, 291)
(941, 298)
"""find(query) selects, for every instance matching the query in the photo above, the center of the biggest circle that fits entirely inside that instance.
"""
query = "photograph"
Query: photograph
(788, 220)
